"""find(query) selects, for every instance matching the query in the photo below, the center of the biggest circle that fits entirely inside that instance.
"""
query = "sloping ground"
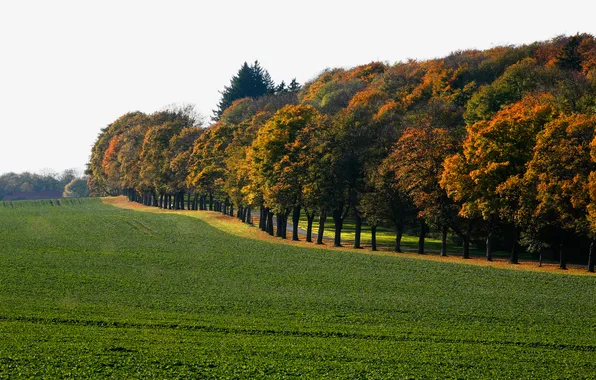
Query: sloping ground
(89, 290)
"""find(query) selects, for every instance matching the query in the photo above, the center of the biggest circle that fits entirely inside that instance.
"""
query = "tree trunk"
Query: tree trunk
(278, 221)
(161, 200)
(210, 201)
(489, 241)
(358, 230)
(338, 220)
(422, 236)
(540, 259)
(591, 258)
(262, 218)
(514, 251)
(373, 237)
(399, 231)
(270, 230)
(562, 258)
(248, 216)
(444, 240)
(295, 220)
(284, 224)
(309, 219)
(231, 211)
(322, 219)
(188, 202)
(466, 239)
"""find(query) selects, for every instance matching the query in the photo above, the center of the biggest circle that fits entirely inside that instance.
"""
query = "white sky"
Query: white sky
(69, 68)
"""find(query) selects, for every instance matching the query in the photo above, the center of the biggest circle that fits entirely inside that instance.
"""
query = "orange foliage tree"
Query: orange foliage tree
(559, 171)
(495, 153)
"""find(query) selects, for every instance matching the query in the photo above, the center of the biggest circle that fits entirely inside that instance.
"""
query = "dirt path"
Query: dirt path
(235, 226)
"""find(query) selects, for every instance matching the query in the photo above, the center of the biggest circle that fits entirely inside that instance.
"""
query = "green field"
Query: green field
(91, 290)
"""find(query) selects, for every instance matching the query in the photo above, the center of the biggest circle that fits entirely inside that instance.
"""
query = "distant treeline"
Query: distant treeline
(28, 186)
(496, 146)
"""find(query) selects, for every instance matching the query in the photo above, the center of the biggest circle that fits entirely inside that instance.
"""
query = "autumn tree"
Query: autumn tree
(560, 170)
(178, 156)
(365, 141)
(99, 182)
(518, 80)
(207, 165)
(417, 164)
(278, 164)
(129, 154)
(494, 154)
(238, 183)
(155, 175)
(331, 91)
(385, 201)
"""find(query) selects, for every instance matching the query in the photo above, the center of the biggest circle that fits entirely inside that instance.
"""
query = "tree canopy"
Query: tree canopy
(496, 146)
(251, 81)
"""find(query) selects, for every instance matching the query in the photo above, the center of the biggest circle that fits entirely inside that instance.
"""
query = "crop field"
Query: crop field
(90, 290)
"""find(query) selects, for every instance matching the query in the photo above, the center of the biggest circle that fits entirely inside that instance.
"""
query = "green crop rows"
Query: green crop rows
(89, 290)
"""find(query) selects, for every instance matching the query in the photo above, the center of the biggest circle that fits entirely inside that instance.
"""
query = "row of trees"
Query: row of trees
(497, 143)
(70, 183)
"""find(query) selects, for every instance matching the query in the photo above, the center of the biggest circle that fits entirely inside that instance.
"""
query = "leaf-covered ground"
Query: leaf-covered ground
(90, 290)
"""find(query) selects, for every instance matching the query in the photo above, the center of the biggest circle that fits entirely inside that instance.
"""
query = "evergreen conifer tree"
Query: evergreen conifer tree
(250, 81)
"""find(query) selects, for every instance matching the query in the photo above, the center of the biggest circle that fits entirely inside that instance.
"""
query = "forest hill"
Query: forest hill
(495, 146)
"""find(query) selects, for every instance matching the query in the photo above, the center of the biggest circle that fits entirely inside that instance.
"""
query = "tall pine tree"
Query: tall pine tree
(250, 81)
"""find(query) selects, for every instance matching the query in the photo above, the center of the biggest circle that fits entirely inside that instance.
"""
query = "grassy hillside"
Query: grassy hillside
(88, 290)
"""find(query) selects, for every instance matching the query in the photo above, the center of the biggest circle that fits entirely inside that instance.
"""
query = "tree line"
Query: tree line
(69, 183)
(494, 147)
